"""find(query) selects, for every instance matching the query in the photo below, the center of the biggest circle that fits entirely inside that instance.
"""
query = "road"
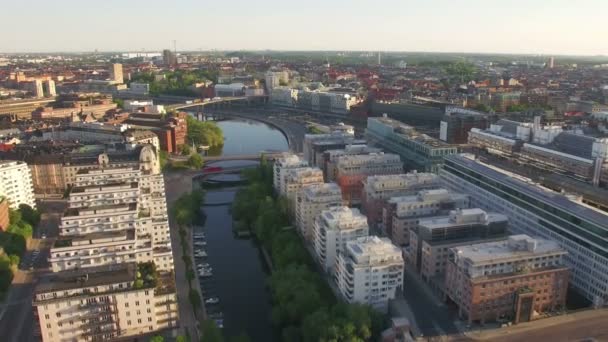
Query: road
(432, 317)
(572, 327)
(177, 184)
(16, 315)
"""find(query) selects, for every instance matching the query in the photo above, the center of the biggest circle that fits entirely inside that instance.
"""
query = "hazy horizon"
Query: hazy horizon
(533, 27)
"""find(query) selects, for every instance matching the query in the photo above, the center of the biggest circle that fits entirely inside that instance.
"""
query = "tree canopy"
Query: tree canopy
(304, 307)
(204, 132)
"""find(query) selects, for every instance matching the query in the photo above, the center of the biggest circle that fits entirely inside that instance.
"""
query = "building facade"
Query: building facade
(103, 303)
(281, 165)
(402, 214)
(378, 189)
(352, 170)
(311, 201)
(370, 271)
(16, 184)
(514, 279)
(332, 229)
(431, 240)
(578, 228)
(419, 151)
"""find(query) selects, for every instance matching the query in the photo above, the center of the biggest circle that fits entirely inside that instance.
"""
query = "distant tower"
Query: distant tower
(116, 73)
(379, 58)
(50, 88)
(551, 62)
(36, 87)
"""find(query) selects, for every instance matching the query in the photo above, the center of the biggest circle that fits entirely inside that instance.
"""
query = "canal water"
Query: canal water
(239, 274)
(242, 137)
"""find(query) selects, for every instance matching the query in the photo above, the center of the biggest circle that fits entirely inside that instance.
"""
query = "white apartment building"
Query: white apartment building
(370, 271)
(296, 179)
(369, 164)
(331, 158)
(430, 241)
(315, 144)
(332, 229)
(16, 183)
(103, 303)
(287, 162)
(114, 215)
(283, 96)
(402, 214)
(379, 188)
(532, 210)
(311, 201)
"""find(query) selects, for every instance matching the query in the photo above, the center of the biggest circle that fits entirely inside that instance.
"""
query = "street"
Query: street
(177, 184)
(431, 317)
(589, 325)
(16, 315)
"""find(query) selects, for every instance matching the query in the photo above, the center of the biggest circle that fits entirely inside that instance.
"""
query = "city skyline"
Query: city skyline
(533, 27)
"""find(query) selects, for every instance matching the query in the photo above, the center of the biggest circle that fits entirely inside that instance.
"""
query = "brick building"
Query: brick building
(4, 217)
(171, 131)
(514, 279)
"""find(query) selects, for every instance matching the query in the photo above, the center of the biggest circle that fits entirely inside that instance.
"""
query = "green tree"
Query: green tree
(185, 150)
(295, 294)
(14, 216)
(482, 108)
(240, 338)
(29, 214)
(195, 161)
(120, 103)
(162, 159)
(463, 71)
(204, 132)
(157, 338)
(181, 338)
(195, 299)
(210, 332)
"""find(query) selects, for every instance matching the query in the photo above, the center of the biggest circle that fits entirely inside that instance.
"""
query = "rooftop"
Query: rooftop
(100, 209)
(319, 190)
(526, 186)
(344, 217)
(372, 246)
(462, 217)
(92, 276)
(379, 182)
(516, 246)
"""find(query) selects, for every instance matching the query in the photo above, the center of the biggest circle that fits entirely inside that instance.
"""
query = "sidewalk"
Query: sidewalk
(490, 333)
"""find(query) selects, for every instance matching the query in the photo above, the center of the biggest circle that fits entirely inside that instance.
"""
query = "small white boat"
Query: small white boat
(200, 243)
(219, 323)
(212, 300)
(204, 274)
(200, 254)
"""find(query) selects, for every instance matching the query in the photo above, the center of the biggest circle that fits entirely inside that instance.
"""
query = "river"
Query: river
(239, 274)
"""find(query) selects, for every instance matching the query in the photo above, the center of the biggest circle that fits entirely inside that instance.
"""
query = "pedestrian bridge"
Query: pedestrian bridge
(268, 155)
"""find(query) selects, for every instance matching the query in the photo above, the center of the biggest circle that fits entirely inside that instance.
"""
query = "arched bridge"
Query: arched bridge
(218, 102)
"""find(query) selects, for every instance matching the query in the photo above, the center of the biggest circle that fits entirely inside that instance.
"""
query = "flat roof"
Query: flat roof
(507, 249)
(82, 189)
(439, 222)
(533, 190)
(87, 277)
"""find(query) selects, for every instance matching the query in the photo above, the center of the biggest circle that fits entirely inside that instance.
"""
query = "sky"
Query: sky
(491, 26)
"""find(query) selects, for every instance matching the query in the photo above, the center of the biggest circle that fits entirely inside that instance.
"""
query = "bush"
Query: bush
(204, 132)
(29, 215)
(195, 161)
(195, 299)
(185, 150)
